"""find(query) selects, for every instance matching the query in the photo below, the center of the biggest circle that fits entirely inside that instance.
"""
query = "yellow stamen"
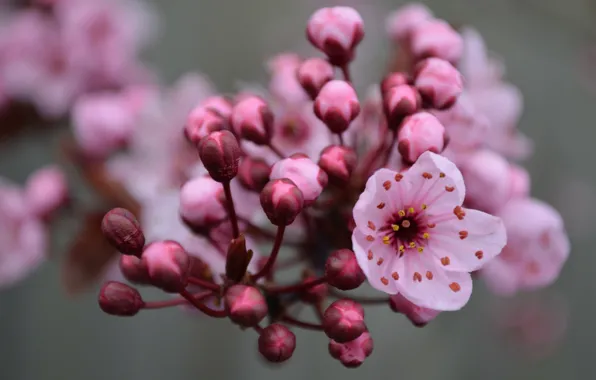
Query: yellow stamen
(395, 227)
(386, 239)
(426, 235)
(411, 210)
(401, 213)
(424, 206)
(420, 249)
(412, 245)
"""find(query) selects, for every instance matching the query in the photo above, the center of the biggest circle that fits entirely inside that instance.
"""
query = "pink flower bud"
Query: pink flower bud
(352, 354)
(338, 162)
(336, 31)
(220, 154)
(393, 80)
(342, 270)
(219, 104)
(119, 299)
(282, 201)
(277, 343)
(401, 22)
(201, 122)
(134, 270)
(419, 133)
(45, 191)
(519, 182)
(314, 294)
(123, 231)
(436, 38)
(199, 205)
(308, 176)
(313, 74)
(337, 105)
(168, 265)
(253, 120)
(419, 316)
(245, 305)
(253, 173)
(439, 82)
(399, 102)
(343, 321)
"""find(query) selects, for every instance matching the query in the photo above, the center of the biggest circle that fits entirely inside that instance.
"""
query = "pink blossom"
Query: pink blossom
(439, 82)
(419, 316)
(284, 84)
(413, 237)
(419, 133)
(399, 101)
(400, 23)
(306, 174)
(435, 38)
(537, 247)
(252, 119)
(477, 67)
(45, 191)
(197, 205)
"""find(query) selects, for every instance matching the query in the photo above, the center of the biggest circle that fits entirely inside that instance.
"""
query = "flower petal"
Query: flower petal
(376, 260)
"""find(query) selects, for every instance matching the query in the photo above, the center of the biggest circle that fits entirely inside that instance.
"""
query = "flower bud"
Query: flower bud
(134, 270)
(519, 182)
(343, 320)
(313, 74)
(245, 305)
(401, 22)
(116, 298)
(338, 162)
(168, 265)
(352, 354)
(394, 80)
(253, 120)
(199, 205)
(253, 173)
(237, 259)
(45, 191)
(419, 316)
(201, 122)
(314, 294)
(305, 174)
(337, 105)
(220, 105)
(399, 102)
(342, 270)
(336, 31)
(282, 201)
(220, 154)
(419, 133)
(123, 231)
(439, 82)
(436, 38)
(277, 343)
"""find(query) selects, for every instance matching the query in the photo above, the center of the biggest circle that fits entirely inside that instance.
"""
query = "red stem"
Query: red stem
(345, 70)
(204, 284)
(305, 325)
(294, 288)
(341, 139)
(176, 301)
(231, 209)
(279, 237)
(202, 307)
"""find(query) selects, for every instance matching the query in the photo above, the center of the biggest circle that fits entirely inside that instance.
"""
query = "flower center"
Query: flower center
(406, 230)
(295, 130)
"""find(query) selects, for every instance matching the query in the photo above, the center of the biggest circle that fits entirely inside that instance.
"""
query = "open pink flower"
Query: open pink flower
(413, 236)
(537, 247)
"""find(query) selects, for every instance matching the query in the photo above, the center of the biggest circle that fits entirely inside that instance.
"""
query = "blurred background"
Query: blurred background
(46, 335)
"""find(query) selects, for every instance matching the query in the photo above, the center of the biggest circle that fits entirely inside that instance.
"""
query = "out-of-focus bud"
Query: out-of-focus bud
(277, 343)
(253, 120)
(219, 104)
(201, 122)
(520, 182)
(436, 38)
(308, 176)
(253, 173)
(352, 354)
(419, 133)
(168, 265)
(123, 231)
(439, 82)
(393, 80)
(220, 154)
(342, 270)
(46, 190)
(419, 316)
(400, 23)
(313, 74)
(245, 305)
(199, 205)
(336, 31)
(314, 294)
(399, 102)
(343, 321)
(338, 162)
(237, 259)
(282, 201)
(116, 298)
(337, 105)
(134, 270)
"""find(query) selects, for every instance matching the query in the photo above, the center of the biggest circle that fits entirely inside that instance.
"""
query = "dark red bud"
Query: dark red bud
(123, 231)
(119, 299)
(343, 321)
(342, 270)
(220, 153)
(277, 343)
(245, 305)
(254, 173)
(282, 201)
(134, 270)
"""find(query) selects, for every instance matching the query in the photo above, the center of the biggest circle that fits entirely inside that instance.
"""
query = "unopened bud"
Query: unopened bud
(338, 162)
(253, 120)
(220, 154)
(352, 354)
(277, 343)
(343, 321)
(439, 82)
(419, 133)
(237, 259)
(199, 205)
(419, 316)
(313, 74)
(219, 104)
(134, 270)
(119, 299)
(399, 102)
(394, 80)
(342, 270)
(436, 38)
(245, 305)
(400, 23)
(123, 231)
(168, 265)
(314, 294)
(519, 181)
(201, 122)
(282, 201)
(308, 176)
(253, 173)
(337, 105)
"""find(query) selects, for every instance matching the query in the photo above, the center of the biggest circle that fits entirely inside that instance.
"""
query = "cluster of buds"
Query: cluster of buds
(382, 200)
